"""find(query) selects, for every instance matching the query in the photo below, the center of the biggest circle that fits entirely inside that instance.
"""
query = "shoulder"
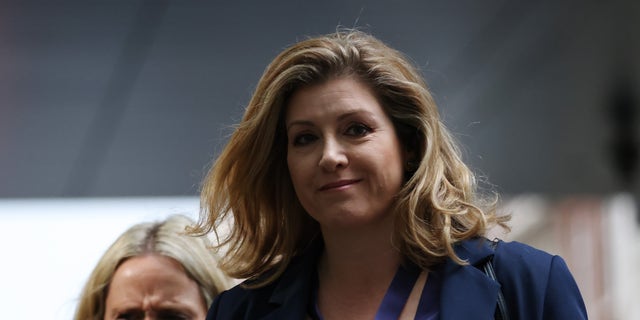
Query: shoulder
(524, 257)
(240, 302)
(285, 297)
(534, 281)
(515, 259)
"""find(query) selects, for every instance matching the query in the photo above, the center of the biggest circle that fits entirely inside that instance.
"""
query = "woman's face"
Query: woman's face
(153, 287)
(343, 153)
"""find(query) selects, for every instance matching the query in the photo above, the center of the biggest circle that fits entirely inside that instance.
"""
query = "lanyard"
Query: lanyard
(398, 292)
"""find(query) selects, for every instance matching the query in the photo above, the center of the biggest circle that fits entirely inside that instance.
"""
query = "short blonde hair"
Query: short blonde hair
(166, 238)
(437, 207)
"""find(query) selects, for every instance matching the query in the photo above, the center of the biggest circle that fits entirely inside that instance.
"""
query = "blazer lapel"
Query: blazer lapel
(467, 293)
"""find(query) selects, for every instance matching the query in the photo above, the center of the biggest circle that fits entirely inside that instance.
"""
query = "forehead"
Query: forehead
(157, 277)
(153, 285)
(340, 95)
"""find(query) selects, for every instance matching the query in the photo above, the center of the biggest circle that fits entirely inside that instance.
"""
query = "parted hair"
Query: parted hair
(167, 238)
(438, 206)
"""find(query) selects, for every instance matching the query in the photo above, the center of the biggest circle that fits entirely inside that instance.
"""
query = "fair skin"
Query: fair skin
(347, 164)
(153, 287)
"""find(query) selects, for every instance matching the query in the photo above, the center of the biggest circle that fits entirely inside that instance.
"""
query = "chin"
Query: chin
(349, 219)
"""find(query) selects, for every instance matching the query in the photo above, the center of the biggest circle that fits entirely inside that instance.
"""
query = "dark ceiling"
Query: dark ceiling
(135, 98)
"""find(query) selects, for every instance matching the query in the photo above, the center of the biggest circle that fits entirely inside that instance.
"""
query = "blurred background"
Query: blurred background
(108, 108)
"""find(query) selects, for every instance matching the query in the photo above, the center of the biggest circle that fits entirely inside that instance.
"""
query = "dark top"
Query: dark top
(535, 284)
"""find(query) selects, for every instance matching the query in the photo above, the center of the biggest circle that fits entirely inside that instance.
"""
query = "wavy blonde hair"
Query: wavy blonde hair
(166, 238)
(437, 207)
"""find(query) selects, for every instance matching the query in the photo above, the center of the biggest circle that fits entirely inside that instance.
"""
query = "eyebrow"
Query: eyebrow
(341, 117)
(299, 123)
(171, 309)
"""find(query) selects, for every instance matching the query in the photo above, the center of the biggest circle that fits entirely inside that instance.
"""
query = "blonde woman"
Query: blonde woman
(350, 201)
(153, 271)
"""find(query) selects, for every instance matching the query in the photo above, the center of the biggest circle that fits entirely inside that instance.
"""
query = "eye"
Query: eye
(131, 315)
(358, 130)
(304, 139)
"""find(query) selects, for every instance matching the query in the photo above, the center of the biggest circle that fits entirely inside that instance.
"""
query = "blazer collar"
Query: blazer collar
(466, 293)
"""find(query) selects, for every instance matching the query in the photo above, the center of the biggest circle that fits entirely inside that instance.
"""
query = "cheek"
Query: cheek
(298, 162)
(293, 165)
(301, 176)
(390, 161)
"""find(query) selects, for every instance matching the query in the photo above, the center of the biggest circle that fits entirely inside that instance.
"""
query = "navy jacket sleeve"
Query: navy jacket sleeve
(562, 299)
(537, 285)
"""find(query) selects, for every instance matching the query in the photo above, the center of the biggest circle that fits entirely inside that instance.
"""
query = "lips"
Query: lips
(338, 184)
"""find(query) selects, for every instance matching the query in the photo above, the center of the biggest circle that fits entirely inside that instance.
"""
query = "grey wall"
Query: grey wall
(132, 98)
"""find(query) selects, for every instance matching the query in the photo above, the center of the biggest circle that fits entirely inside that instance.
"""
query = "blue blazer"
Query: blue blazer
(535, 284)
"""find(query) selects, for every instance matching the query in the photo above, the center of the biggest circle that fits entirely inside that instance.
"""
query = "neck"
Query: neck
(355, 249)
(352, 254)
(355, 271)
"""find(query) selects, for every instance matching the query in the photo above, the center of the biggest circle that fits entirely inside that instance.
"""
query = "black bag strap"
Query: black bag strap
(501, 309)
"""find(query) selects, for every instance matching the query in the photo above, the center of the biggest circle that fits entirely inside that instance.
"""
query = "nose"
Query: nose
(333, 156)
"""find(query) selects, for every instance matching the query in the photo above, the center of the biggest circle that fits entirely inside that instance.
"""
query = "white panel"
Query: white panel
(49, 247)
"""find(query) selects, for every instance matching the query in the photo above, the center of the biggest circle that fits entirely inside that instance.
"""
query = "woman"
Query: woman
(350, 201)
(153, 271)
